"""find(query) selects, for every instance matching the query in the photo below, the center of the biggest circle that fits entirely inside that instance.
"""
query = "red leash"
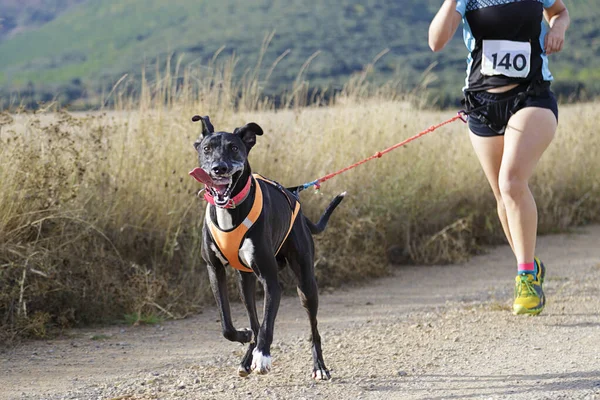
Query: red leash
(317, 183)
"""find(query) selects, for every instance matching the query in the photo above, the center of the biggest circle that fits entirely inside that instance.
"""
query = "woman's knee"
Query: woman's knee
(512, 188)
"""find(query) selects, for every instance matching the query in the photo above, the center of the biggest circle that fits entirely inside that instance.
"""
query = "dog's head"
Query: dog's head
(223, 158)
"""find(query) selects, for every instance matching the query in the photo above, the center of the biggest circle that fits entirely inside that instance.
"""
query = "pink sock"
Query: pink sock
(528, 268)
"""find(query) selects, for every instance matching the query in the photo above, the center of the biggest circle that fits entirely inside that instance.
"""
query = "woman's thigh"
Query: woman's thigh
(528, 134)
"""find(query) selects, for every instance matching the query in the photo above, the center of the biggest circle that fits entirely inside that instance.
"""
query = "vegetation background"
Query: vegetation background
(75, 50)
(99, 222)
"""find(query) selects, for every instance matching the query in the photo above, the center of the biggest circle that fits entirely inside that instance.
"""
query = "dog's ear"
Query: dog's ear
(207, 127)
(248, 134)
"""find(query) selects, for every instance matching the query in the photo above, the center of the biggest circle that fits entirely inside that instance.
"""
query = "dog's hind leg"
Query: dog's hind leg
(218, 282)
(309, 296)
(247, 284)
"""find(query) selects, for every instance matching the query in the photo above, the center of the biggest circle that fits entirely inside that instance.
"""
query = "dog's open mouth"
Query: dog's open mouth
(219, 187)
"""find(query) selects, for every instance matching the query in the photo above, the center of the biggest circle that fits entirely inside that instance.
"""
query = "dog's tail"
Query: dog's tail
(319, 227)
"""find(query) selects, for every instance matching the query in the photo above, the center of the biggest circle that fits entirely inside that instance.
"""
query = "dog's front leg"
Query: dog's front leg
(218, 283)
(247, 284)
(261, 356)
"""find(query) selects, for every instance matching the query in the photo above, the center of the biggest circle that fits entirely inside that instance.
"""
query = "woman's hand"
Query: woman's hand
(554, 40)
(558, 19)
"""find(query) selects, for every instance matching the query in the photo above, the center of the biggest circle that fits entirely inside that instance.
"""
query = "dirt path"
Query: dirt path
(426, 333)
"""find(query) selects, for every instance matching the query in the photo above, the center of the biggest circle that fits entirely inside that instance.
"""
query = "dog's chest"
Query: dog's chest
(224, 219)
(231, 246)
(246, 250)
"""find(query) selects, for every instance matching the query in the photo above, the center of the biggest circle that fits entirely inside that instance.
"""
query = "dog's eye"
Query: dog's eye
(206, 149)
(234, 148)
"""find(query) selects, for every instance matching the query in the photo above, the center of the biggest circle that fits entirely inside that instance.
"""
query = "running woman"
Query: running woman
(515, 113)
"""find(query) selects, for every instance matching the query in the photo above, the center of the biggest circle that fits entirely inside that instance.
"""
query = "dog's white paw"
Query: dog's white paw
(321, 375)
(260, 363)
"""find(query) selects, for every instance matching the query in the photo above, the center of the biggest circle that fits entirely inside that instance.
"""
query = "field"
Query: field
(99, 221)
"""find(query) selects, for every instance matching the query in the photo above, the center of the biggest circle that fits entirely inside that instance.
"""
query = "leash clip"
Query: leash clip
(317, 188)
(462, 114)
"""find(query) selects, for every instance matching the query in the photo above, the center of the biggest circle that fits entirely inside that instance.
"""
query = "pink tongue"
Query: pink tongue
(221, 189)
(201, 176)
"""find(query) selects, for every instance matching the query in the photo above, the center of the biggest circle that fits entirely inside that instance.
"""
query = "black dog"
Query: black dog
(256, 226)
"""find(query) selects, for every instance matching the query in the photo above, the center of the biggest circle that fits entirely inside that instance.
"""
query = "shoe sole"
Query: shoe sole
(520, 310)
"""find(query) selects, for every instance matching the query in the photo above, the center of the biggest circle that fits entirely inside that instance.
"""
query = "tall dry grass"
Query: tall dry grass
(99, 219)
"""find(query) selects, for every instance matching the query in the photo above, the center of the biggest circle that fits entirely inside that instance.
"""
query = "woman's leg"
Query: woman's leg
(527, 136)
(489, 151)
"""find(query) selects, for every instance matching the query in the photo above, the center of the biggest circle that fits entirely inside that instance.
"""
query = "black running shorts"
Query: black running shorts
(492, 121)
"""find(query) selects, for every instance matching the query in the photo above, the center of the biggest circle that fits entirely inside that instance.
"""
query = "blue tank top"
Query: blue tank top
(505, 39)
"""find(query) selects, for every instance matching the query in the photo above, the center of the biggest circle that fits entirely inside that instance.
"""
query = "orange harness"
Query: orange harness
(230, 242)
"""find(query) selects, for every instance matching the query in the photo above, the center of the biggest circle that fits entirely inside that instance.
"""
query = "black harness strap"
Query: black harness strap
(290, 197)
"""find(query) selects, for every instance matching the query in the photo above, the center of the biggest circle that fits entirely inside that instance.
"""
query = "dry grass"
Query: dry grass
(98, 218)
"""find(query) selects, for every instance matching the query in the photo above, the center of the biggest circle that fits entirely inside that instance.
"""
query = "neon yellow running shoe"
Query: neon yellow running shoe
(529, 295)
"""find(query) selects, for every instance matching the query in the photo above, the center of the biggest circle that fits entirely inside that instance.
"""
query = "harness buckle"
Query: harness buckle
(462, 114)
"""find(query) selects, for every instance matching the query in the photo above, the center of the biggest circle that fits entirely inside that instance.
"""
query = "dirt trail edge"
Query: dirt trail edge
(436, 332)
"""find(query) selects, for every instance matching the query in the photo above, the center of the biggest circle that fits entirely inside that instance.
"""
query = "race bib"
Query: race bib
(505, 57)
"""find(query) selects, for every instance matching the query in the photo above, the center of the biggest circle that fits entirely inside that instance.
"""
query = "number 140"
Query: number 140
(518, 62)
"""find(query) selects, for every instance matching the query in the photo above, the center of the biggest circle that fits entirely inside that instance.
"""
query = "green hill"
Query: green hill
(21, 15)
(83, 47)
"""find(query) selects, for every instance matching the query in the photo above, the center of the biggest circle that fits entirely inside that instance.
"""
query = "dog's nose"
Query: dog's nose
(219, 169)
